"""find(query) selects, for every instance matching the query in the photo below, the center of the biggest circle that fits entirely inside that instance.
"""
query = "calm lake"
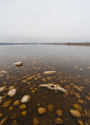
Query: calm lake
(72, 66)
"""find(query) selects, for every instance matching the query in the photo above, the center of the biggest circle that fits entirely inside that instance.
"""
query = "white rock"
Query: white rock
(25, 99)
(3, 71)
(12, 92)
(2, 88)
(49, 72)
(18, 64)
(1, 97)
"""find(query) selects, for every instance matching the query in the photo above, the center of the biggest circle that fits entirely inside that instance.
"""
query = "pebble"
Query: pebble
(77, 106)
(18, 64)
(58, 121)
(50, 107)
(59, 112)
(36, 121)
(22, 106)
(3, 121)
(2, 88)
(80, 122)
(77, 87)
(1, 97)
(11, 108)
(80, 101)
(11, 87)
(7, 103)
(25, 99)
(16, 103)
(77, 95)
(12, 92)
(41, 110)
(75, 113)
(49, 72)
(1, 115)
(24, 113)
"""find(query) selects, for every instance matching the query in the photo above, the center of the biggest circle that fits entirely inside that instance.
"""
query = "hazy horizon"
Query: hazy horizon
(44, 21)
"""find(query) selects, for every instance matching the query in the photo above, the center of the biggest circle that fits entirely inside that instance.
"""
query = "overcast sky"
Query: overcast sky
(44, 20)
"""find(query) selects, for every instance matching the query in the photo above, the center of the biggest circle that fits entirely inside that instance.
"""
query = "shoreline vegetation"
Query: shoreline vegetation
(68, 44)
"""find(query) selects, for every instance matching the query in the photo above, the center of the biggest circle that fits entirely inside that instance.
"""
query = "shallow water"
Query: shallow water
(37, 59)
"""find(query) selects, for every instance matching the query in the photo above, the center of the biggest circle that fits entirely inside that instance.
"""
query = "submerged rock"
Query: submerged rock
(58, 121)
(12, 92)
(41, 110)
(3, 72)
(49, 72)
(2, 88)
(80, 122)
(1, 97)
(18, 64)
(16, 103)
(25, 99)
(75, 113)
(1, 115)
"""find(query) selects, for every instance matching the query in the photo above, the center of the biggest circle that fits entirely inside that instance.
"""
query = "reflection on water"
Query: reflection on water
(72, 66)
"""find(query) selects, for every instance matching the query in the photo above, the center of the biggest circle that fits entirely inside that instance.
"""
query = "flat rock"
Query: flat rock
(25, 99)
(18, 64)
(58, 121)
(1, 98)
(49, 72)
(2, 88)
(12, 92)
(41, 110)
(22, 106)
(75, 113)
(24, 113)
(59, 112)
(77, 87)
(36, 121)
(16, 103)
(80, 122)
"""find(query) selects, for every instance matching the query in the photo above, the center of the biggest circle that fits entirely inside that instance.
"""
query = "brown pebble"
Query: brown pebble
(59, 112)
(58, 121)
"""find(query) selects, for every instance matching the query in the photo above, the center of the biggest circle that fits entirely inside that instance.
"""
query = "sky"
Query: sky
(45, 21)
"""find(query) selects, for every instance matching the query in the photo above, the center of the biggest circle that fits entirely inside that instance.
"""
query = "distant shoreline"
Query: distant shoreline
(68, 44)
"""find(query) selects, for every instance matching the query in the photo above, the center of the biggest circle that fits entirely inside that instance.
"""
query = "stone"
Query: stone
(80, 101)
(75, 113)
(77, 95)
(80, 122)
(16, 103)
(1, 115)
(41, 110)
(7, 103)
(25, 99)
(4, 72)
(1, 98)
(36, 121)
(11, 108)
(59, 112)
(49, 72)
(11, 87)
(50, 107)
(18, 64)
(77, 87)
(77, 106)
(24, 113)
(12, 92)
(44, 80)
(3, 88)
(88, 98)
(58, 121)
(3, 121)
(22, 106)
